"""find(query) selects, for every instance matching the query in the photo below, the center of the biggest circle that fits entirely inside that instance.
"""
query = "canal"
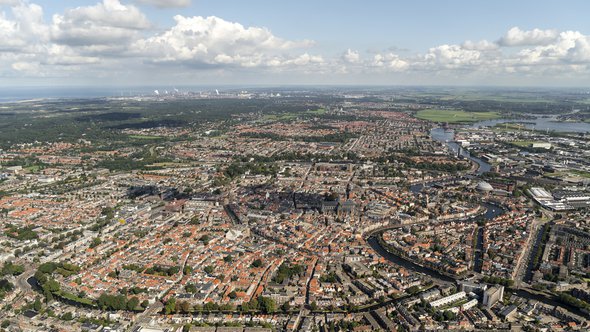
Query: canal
(436, 276)
(448, 137)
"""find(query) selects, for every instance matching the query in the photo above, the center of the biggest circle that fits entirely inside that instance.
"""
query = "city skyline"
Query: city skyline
(179, 42)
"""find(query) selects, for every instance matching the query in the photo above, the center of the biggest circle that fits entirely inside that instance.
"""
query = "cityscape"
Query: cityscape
(206, 177)
(360, 210)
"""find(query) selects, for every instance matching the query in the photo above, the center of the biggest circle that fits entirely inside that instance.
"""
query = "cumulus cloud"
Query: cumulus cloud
(452, 57)
(351, 56)
(518, 37)
(212, 40)
(109, 22)
(167, 3)
(111, 37)
(24, 30)
(390, 61)
(482, 45)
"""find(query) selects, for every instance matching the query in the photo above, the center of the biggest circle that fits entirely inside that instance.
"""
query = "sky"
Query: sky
(323, 42)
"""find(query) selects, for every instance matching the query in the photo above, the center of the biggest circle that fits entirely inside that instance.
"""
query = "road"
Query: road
(523, 266)
(145, 317)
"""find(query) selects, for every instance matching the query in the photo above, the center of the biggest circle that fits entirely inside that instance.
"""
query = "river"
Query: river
(448, 137)
(541, 123)
(374, 243)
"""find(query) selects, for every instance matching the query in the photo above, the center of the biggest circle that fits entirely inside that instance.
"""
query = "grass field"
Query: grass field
(33, 169)
(455, 116)
(572, 173)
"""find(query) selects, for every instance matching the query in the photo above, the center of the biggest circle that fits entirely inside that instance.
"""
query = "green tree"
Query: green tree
(51, 286)
(37, 305)
(286, 307)
(133, 303)
(313, 306)
(170, 306)
(257, 263)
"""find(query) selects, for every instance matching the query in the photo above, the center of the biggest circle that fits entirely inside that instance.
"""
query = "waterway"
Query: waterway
(374, 243)
(442, 279)
(541, 123)
(448, 137)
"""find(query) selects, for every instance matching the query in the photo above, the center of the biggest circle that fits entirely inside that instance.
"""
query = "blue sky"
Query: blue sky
(97, 42)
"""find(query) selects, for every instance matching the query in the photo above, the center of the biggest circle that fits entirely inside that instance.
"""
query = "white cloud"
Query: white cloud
(570, 46)
(27, 67)
(351, 56)
(106, 23)
(167, 3)
(451, 57)
(391, 61)
(24, 30)
(213, 41)
(113, 38)
(482, 45)
(518, 37)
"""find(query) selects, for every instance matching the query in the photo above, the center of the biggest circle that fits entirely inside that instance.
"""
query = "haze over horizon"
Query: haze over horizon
(184, 42)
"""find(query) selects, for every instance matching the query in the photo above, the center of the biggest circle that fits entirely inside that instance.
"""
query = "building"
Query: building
(492, 295)
(509, 313)
(448, 300)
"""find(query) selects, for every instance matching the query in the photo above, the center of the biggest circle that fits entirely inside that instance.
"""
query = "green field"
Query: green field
(571, 173)
(455, 116)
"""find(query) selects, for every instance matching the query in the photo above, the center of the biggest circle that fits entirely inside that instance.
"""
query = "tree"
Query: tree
(194, 221)
(286, 307)
(449, 315)
(413, 290)
(37, 305)
(190, 288)
(6, 286)
(51, 286)
(210, 306)
(12, 269)
(48, 296)
(205, 239)
(257, 263)
(208, 269)
(132, 303)
(267, 304)
(48, 268)
(145, 303)
(112, 302)
(95, 242)
(183, 306)
(170, 306)
(313, 306)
